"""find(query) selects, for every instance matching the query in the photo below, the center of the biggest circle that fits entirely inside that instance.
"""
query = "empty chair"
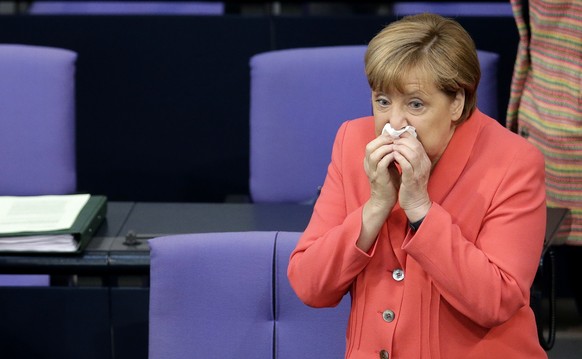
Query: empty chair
(459, 8)
(301, 331)
(211, 293)
(228, 293)
(299, 98)
(37, 126)
(37, 120)
(126, 8)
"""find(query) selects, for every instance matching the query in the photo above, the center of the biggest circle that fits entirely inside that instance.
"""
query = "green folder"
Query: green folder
(83, 229)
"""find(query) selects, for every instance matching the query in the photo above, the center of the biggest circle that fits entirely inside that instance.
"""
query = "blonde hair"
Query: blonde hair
(438, 47)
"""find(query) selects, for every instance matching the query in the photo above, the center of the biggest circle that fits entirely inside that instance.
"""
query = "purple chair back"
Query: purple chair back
(127, 8)
(299, 98)
(37, 128)
(37, 120)
(229, 293)
(301, 331)
(454, 8)
(24, 280)
(211, 295)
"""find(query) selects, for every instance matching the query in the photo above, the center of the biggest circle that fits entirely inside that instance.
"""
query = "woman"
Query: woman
(437, 237)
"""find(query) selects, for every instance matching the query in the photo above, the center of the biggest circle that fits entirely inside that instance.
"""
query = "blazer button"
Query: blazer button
(524, 132)
(398, 275)
(388, 315)
(384, 354)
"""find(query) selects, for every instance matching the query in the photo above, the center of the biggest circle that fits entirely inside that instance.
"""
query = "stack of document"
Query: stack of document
(49, 223)
(47, 243)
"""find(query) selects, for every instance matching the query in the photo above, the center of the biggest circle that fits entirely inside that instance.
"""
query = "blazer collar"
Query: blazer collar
(452, 162)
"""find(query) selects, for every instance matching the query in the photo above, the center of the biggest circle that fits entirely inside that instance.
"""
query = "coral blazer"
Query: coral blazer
(458, 287)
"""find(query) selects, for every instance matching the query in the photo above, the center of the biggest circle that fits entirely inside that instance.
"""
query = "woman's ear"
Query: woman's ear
(458, 105)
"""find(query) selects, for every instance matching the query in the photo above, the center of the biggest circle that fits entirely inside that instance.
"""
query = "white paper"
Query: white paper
(39, 213)
(53, 243)
(388, 129)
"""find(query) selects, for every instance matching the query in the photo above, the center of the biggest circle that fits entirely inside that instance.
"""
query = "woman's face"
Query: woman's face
(431, 111)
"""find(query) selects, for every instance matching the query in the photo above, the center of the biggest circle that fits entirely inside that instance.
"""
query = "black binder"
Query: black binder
(83, 229)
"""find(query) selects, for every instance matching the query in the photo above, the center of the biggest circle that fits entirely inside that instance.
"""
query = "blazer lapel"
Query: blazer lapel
(455, 158)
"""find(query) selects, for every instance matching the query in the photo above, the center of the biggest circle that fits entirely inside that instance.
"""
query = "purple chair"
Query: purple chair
(37, 120)
(211, 295)
(37, 127)
(301, 331)
(453, 8)
(228, 293)
(299, 98)
(126, 8)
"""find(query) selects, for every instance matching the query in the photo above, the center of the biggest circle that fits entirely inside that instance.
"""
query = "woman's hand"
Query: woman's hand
(384, 183)
(382, 173)
(415, 165)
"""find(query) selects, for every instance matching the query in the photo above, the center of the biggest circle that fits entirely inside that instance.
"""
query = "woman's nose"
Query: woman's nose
(397, 119)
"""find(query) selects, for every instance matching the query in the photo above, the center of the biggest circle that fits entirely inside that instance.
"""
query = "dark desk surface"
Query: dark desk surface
(149, 220)
(174, 218)
(108, 254)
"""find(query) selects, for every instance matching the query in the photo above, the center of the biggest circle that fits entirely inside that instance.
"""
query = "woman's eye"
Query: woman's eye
(416, 105)
(382, 102)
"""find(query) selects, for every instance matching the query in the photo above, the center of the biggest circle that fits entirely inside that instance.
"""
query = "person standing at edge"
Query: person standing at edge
(437, 233)
(545, 107)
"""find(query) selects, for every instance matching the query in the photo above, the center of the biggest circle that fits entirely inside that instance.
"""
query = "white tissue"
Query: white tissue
(396, 133)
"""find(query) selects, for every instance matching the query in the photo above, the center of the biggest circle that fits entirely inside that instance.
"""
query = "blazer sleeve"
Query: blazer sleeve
(326, 259)
(489, 279)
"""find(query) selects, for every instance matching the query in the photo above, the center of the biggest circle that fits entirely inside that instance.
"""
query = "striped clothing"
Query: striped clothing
(546, 99)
